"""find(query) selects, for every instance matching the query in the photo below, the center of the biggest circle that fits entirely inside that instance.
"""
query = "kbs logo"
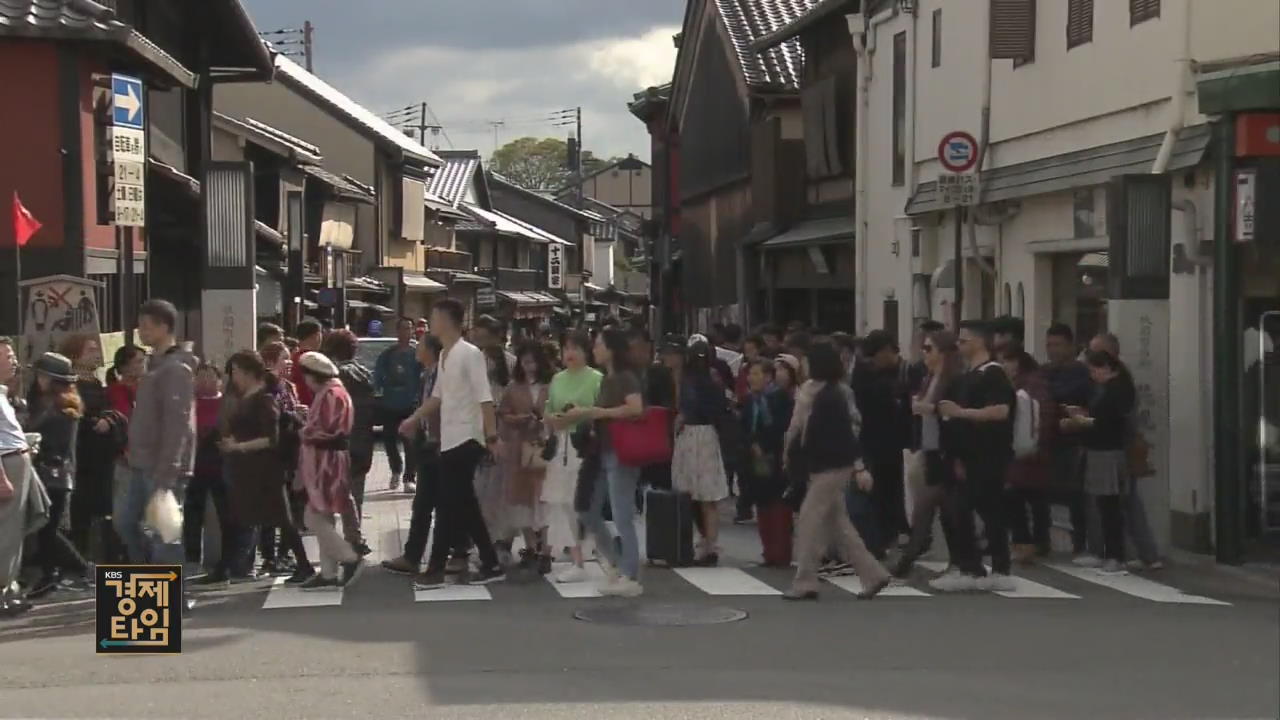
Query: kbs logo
(139, 609)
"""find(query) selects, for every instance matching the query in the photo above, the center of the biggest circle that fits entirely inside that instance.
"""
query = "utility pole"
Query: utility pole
(307, 29)
(579, 170)
(495, 124)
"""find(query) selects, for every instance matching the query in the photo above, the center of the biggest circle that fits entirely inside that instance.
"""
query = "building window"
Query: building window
(1143, 10)
(900, 108)
(937, 39)
(1079, 22)
(1013, 31)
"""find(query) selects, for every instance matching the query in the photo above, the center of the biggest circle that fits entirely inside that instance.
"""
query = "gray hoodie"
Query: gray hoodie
(162, 430)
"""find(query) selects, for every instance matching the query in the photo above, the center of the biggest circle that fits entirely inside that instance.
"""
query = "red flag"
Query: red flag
(24, 223)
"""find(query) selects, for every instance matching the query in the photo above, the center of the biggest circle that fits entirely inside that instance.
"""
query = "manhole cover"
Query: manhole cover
(656, 615)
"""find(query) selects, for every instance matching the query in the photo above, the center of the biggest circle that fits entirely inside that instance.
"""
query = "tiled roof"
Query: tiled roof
(341, 184)
(452, 179)
(820, 11)
(645, 102)
(545, 197)
(298, 77)
(271, 138)
(749, 20)
(85, 20)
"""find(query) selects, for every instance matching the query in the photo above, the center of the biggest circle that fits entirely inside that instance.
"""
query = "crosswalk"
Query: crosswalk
(726, 582)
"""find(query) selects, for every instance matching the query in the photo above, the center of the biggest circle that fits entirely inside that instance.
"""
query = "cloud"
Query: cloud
(520, 88)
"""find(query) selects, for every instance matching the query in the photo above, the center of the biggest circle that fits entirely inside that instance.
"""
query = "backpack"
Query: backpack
(1026, 425)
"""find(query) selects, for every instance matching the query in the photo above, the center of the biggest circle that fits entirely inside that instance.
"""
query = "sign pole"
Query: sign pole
(19, 311)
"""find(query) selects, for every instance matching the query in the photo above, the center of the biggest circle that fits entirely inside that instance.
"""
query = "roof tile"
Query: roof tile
(749, 20)
(452, 179)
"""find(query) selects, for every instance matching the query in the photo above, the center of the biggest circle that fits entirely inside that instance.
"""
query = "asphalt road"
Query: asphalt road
(1100, 653)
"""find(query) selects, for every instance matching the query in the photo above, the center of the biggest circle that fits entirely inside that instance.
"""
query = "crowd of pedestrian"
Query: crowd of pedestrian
(538, 454)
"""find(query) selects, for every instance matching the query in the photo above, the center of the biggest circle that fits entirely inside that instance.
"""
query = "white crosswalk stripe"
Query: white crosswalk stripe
(1024, 589)
(588, 588)
(725, 581)
(289, 596)
(453, 593)
(1136, 586)
(853, 584)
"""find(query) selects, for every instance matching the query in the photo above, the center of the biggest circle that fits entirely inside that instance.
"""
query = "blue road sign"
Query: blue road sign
(126, 102)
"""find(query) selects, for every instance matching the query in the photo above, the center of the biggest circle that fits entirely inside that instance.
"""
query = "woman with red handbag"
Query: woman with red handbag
(620, 400)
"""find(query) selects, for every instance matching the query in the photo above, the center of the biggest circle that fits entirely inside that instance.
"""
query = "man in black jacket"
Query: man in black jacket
(880, 388)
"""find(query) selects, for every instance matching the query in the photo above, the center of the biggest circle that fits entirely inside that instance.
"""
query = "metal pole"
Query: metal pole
(1228, 439)
(307, 27)
(579, 169)
(422, 125)
(128, 300)
(17, 288)
(957, 310)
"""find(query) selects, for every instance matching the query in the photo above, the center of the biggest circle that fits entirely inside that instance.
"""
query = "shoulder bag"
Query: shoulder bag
(643, 441)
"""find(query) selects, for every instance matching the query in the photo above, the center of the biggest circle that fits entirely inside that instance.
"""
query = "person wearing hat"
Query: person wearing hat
(56, 408)
(324, 466)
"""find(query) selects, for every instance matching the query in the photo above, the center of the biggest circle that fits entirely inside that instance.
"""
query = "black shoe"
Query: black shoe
(268, 567)
(903, 569)
(301, 575)
(744, 518)
(362, 549)
(484, 576)
(793, 595)
(544, 565)
(528, 559)
(14, 607)
(320, 582)
(217, 578)
(351, 571)
(708, 560)
(429, 580)
(44, 587)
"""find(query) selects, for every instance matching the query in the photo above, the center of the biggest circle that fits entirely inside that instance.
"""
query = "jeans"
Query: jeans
(459, 521)
(56, 551)
(617, 484)
(130, 509)
(981, 491)
(391, 440)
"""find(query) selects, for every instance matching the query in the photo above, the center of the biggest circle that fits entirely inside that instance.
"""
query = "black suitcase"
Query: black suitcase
(668, 523)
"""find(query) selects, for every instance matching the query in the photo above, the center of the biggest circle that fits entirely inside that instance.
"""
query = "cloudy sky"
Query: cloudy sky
(476, 62)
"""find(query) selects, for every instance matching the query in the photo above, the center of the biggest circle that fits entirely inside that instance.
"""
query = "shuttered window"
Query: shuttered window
(1013, 30)
(1143, 10)
(1079, 22)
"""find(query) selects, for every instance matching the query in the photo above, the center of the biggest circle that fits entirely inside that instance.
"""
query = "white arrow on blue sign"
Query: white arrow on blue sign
(126, 102)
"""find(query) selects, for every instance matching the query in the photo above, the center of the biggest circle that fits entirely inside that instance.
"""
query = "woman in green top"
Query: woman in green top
(578, 385)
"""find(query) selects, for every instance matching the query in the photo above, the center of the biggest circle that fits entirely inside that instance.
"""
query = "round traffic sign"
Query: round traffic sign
(958, 151)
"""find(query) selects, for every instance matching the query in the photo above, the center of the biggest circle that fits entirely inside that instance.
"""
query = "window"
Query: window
(1013, 31)
(900, 108)
(1143, 10)
(1079, 23)
(937, 39)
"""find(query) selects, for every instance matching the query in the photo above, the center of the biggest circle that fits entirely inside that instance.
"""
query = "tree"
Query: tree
(540, 163)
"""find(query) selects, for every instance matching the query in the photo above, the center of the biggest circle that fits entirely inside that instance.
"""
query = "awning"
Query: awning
(528, 298)
(268, 233)
(419, 283)
(343, 187)
(1079, 169)
(760, 232)
(592, 288)
(826, 231)
(361, 305)
(368, 284)
(460, 276)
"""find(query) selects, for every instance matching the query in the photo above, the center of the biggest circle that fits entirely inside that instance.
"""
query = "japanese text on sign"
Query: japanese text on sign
(957, 189)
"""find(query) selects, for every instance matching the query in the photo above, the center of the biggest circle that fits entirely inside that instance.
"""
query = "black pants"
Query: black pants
(267, 544)
(90, 502)
(460, 523)
(54, 551)
(202, 487)
(391, 441)
(981, 491)
(889, 495)
(1018, 500)
(425, 502)
(1111, 514)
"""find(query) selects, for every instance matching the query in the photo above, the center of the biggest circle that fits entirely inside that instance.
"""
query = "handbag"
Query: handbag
(643, 441)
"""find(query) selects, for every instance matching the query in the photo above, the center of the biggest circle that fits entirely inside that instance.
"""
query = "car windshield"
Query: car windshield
(368, 350)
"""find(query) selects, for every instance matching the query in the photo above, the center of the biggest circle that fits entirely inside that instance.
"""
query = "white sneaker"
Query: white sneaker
(954, 582)
(571, 574)
(1087, 561)
(1139, 566)
(997, 582)
(622, 587)
(610, 572)
(1112, 567)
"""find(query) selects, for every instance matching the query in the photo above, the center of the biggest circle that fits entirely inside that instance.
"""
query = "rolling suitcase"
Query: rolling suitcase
(668, 523)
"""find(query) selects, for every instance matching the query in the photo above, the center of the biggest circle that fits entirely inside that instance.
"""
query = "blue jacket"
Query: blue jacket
(398, 375)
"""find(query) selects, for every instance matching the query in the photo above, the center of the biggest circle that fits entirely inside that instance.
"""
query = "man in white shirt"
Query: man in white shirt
(15, 460)
(468, 430)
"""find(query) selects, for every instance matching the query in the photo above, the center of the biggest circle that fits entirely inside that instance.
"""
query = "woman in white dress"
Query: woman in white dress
(697, 466)
(577, 386)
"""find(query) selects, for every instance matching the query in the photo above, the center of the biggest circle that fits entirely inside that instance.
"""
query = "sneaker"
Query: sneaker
(708, 560)
(400, 566)
(395, 482)
(484, 576)
(954, 582)
(320, 582)
(1139, 566)
(410, 487)
(610, 572)
(1086, 561)
(269, 568)
(429, 580)
(1112, 567)
(351, 571)
(744, 518)
(623, 587)
(834, 568)
(544, 564)
(997, 582)
(456, 565)
(300, 576)
(571, 574)
(362, 548)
